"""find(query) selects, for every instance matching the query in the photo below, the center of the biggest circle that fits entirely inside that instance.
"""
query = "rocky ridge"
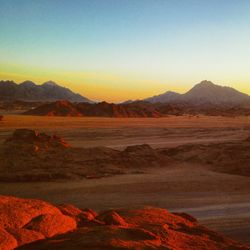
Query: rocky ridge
(31, 156)
(102, 109)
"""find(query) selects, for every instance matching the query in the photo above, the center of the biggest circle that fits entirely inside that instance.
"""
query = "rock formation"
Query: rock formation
(31, 156)
(35, 224)
(225, 157)
(102, 109)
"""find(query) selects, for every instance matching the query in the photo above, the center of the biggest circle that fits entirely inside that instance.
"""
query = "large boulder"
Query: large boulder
(23, 221)
(17, 212)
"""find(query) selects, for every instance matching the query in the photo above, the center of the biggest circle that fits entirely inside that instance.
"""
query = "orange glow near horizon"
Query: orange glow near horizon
(102, 86)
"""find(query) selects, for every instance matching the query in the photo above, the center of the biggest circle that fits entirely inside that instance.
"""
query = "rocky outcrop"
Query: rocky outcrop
(32, 156)
(24, 220)
(137, 109)
(58, 108)
(35, 224)
(102, 109)
(226, 157)
(31, 141)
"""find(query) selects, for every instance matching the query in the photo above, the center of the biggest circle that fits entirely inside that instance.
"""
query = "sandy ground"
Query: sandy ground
(220, 201)
(121, 132)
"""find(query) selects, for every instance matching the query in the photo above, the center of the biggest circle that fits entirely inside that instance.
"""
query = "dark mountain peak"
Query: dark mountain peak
(169, 92)
(28, 83)
(210, 93)
(205, 92)
(50, 84)
(210, 86)
(206, 83)
(205, 86)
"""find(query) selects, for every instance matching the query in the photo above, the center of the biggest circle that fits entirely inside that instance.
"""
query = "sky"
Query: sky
(116, 50)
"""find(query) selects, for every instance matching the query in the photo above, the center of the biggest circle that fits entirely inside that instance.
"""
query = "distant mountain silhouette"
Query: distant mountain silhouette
(168, 96)
(29, 91)
(205, 92)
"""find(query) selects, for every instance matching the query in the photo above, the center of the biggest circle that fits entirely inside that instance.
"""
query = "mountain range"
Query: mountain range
(29, 91)
(202, 93)
(52, 99)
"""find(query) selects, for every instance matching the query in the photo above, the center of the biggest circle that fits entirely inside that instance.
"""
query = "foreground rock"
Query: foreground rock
(23, 221)
(32, 156)
(35, 224)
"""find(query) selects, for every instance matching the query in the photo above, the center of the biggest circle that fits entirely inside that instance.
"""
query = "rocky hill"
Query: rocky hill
(35, 224)
(102, 109)
(134, 109)
(29, 91)
(58, 108)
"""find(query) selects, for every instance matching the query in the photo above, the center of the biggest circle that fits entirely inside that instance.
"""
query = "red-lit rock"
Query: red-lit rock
(52, 224)
(7, 241)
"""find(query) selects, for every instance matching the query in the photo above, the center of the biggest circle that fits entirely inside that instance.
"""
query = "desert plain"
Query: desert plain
(220, 201)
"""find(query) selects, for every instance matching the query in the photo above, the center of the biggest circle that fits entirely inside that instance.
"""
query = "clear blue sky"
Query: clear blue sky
(126, 48)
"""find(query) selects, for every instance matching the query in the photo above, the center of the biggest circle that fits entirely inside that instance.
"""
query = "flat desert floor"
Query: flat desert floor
(220, 201)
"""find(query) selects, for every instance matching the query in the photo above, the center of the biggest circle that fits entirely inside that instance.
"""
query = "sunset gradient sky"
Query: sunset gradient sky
(115, 50)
